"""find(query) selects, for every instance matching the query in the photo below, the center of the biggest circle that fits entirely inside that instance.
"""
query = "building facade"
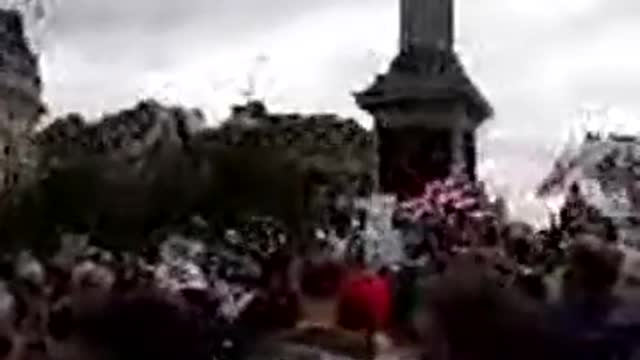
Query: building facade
(20, 103)
(606, 170)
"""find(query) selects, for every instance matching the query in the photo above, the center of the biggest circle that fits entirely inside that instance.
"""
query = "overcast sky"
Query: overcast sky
(538, 61)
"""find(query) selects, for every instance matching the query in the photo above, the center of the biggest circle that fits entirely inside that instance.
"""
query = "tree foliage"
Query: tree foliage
(120, 204)
(142, 170)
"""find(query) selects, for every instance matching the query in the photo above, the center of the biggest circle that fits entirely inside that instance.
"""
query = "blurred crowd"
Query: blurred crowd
(470, 287)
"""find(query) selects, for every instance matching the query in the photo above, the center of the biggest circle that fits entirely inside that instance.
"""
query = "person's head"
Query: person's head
(311, 343)
(91, 278)
(151, 254)
(593, 269)
(321, 280)
(491, 235)
(521, 250)
(533, 286)
(6, 270)
(9, 304)
(364, 303)
(357, 257)
(276, 270)
(320, 283)
(574, 189)
(145, 325)
(610, 231)
(470, 316)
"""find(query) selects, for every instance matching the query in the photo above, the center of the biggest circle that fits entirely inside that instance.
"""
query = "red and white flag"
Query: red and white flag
(441, 196)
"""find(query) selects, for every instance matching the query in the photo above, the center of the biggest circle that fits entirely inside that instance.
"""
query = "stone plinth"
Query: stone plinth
(425, 108)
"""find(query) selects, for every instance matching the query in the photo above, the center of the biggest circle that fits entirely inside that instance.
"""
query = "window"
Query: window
(7, 150)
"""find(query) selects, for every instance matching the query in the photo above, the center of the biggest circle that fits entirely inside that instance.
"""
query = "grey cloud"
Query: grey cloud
(157, 17)
(510, 65)
(619, 10)
(491, 28)
(138, 35)
(155, 35)
(610, 90)
(109, 43)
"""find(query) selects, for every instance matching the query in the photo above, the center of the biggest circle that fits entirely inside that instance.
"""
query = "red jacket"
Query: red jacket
(364, 302)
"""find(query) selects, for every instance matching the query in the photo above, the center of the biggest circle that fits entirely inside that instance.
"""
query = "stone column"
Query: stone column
(375, 171)
(457, 150)
(426, 24)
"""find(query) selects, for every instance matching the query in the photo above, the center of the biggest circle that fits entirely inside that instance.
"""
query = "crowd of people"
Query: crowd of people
(470, 288)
